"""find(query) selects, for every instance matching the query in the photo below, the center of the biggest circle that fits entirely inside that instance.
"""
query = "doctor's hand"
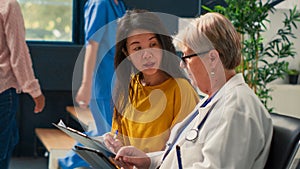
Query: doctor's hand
(112, 142)
(129, 156)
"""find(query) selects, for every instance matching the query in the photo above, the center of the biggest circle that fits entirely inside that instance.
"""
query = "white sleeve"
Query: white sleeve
(155, 158)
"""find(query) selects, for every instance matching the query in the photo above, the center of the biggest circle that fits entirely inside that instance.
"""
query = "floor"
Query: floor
(42, 163)
(28, 163)
(295, 166)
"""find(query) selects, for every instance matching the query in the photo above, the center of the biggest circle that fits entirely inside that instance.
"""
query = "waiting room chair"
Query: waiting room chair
(285, 142)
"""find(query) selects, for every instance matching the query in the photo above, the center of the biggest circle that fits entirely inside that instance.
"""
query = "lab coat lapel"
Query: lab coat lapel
(192, 124)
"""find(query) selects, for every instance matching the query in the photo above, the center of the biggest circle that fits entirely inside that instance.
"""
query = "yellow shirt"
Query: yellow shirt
(154, 110)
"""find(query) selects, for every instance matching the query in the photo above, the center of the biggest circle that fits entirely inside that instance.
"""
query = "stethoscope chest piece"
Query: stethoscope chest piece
(192, 135)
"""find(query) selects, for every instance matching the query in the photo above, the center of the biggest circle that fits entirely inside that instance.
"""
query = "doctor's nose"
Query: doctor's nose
(182, 64)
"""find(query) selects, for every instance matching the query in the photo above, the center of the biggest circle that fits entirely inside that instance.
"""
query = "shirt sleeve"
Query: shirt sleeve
(95, 18)
(19, 54)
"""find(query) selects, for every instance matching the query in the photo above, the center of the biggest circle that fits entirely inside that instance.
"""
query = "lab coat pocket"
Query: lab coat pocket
(191, 153)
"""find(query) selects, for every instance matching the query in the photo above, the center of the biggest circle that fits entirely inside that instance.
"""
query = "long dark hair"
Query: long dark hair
(132, 20)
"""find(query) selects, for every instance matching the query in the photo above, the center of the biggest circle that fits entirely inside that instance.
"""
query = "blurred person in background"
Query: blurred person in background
(16, 75)
(95, 89)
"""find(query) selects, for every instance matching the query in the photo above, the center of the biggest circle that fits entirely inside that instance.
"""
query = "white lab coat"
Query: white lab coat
(236, 135)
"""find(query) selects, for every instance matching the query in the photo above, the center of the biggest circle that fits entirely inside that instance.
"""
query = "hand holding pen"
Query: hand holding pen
(116, 134)
(112, 141)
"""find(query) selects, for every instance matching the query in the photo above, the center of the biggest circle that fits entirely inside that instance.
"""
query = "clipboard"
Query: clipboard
(85, 139)
(95, 158)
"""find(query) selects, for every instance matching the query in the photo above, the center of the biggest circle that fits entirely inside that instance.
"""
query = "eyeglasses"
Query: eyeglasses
(183, 58)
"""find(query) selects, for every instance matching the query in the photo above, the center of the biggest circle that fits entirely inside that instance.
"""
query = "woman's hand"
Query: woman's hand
(83, 96)
(114, 144)
(129, 156)
(39, 103)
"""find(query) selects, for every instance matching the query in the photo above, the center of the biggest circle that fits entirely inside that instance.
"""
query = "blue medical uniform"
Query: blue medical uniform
(100, 26)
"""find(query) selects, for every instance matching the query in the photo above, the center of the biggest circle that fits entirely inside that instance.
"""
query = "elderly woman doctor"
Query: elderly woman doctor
(230, 128)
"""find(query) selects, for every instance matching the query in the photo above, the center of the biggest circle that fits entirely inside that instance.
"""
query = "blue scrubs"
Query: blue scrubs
(100, 26)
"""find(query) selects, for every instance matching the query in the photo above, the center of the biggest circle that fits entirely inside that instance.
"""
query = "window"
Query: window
(48, 20)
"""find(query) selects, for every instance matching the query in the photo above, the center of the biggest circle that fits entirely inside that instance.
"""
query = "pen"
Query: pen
(116, 134)
(178, 153)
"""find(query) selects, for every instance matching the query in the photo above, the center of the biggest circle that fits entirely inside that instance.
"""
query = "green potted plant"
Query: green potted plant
(262, 62)
(293, 75)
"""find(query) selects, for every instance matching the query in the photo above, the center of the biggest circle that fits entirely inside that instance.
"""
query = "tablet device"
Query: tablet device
(85, 139)
(95, 157)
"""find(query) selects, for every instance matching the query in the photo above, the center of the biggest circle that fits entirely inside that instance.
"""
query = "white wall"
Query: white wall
(286, 99)
(287, 4)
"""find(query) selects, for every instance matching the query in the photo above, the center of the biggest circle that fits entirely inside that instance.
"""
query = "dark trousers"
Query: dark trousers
(8, 126)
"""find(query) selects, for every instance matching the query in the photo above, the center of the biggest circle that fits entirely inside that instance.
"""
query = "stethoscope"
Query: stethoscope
(193, 133)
